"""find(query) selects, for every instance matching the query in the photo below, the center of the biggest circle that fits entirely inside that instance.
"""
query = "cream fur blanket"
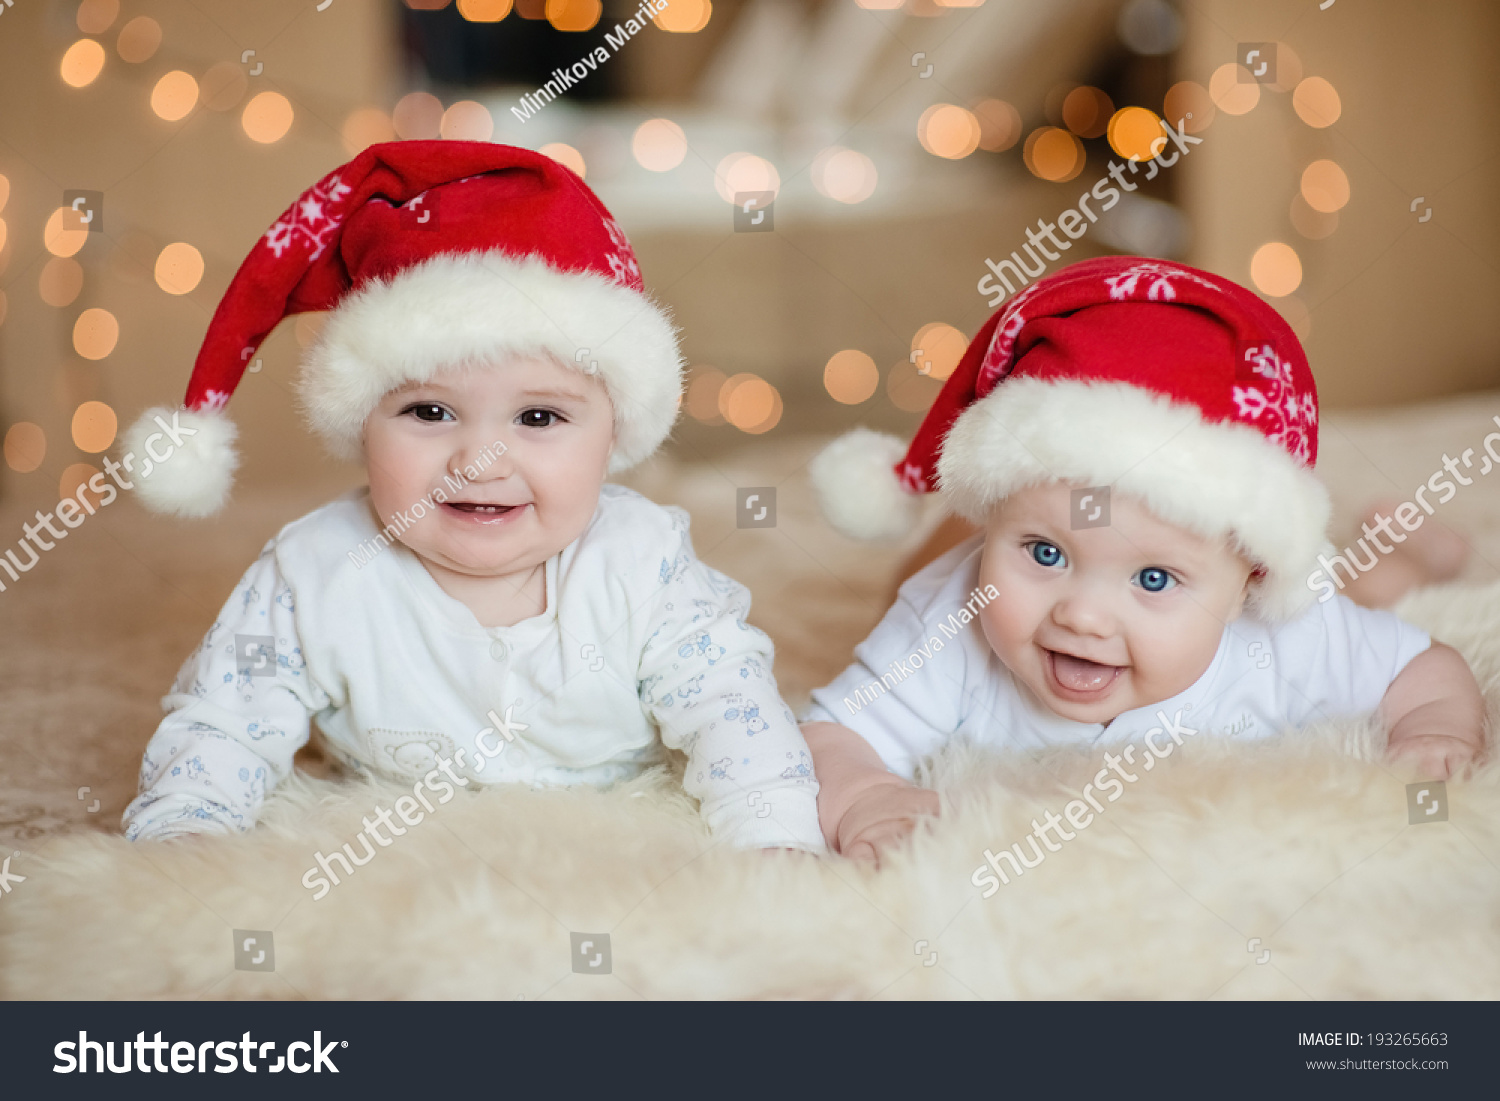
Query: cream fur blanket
(1279, 870)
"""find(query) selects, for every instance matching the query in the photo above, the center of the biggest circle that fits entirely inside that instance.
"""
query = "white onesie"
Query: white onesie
(942, 681)
(641, 646)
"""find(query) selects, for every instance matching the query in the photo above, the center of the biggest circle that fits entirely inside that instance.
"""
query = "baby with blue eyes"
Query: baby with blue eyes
(1134, 440)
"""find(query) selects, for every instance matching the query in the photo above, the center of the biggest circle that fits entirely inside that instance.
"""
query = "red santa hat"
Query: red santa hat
(1169, 384)
(428, 254)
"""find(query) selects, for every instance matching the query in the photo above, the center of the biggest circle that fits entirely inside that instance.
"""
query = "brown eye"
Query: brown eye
(427, 412)
(537, 418)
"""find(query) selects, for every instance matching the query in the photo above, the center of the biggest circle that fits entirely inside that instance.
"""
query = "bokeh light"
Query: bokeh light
(75, 480)
(179, 268)
(4, 232)
(139, 40)
(174, 96)
(94, 427)
(574, 15)
(1054, 154)
(566, 156)
(703, 389)
(1149, 27)
(1135, 133)
(418, 116)
(936, 349)
(909, 389)
(1275, 269)
(1317, 102)
(25, 447)
(684, 16)
(999, 125)
(850, 376)
(267, 117)
(948, 130)
(97, 16)
(59, 240)
(845, 175)
(1312, 224)
(1189, 103)
(82, 63)
(467, 120)
(1087, 110)
(61, 281)
(4, 191)
(223, 86)
(366, 126)
(1297, 315)
(95, 333)
(880, 5)
(1324, 186)
(750, 403)
(1233, 90)
(659, 145)
(739, 173)
(484, 11)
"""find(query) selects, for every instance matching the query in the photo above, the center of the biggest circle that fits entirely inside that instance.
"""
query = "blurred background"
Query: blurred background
(905, 141)
(1344, 168)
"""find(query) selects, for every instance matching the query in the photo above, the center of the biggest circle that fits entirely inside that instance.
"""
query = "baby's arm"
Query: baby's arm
(1436, 713)
(706, 681)
(236, 716)
(862, 807)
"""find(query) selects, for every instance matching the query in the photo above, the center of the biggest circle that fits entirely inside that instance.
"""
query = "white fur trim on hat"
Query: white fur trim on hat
(182, 460)
(469, 308)
(855, 481)
(1217, 479)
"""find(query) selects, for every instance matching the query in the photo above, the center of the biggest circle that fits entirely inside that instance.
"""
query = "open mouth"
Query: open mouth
(1080, 679)
(481, 513)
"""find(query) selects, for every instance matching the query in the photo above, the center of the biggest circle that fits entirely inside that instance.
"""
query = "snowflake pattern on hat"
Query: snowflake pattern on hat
(622, 261)
(1160, 289)
(1292, 419)
(310, 219)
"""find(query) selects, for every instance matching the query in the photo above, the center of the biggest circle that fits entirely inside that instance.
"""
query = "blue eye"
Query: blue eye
(1154, 579)
(1046, 554)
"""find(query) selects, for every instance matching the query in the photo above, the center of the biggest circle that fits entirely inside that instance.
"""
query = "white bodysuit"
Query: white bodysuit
(641, 647)
(927, 675)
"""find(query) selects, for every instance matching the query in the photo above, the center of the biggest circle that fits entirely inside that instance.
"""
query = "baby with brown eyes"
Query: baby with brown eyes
(488, 609)
(1134, 440)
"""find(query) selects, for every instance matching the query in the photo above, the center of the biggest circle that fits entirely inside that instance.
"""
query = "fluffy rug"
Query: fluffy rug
(1286, 869)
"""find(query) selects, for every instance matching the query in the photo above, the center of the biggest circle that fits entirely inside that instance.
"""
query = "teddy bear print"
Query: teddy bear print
(408, 753)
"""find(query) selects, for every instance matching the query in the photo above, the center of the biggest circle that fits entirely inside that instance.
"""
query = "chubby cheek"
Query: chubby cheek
(1169, 655)
(1009, 622)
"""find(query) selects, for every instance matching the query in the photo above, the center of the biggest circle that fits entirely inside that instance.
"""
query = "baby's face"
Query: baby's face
(1103, 620)
(519, 507)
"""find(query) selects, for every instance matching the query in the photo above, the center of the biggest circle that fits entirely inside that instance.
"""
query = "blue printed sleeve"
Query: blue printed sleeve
(238, 712)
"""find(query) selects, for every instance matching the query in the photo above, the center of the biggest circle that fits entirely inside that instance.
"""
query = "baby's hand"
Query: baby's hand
(881, 817)
(1433, 756)
(1436, 714)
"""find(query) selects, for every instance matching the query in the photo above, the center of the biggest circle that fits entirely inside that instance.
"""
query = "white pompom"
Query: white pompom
(182, 460)
(857, 488)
